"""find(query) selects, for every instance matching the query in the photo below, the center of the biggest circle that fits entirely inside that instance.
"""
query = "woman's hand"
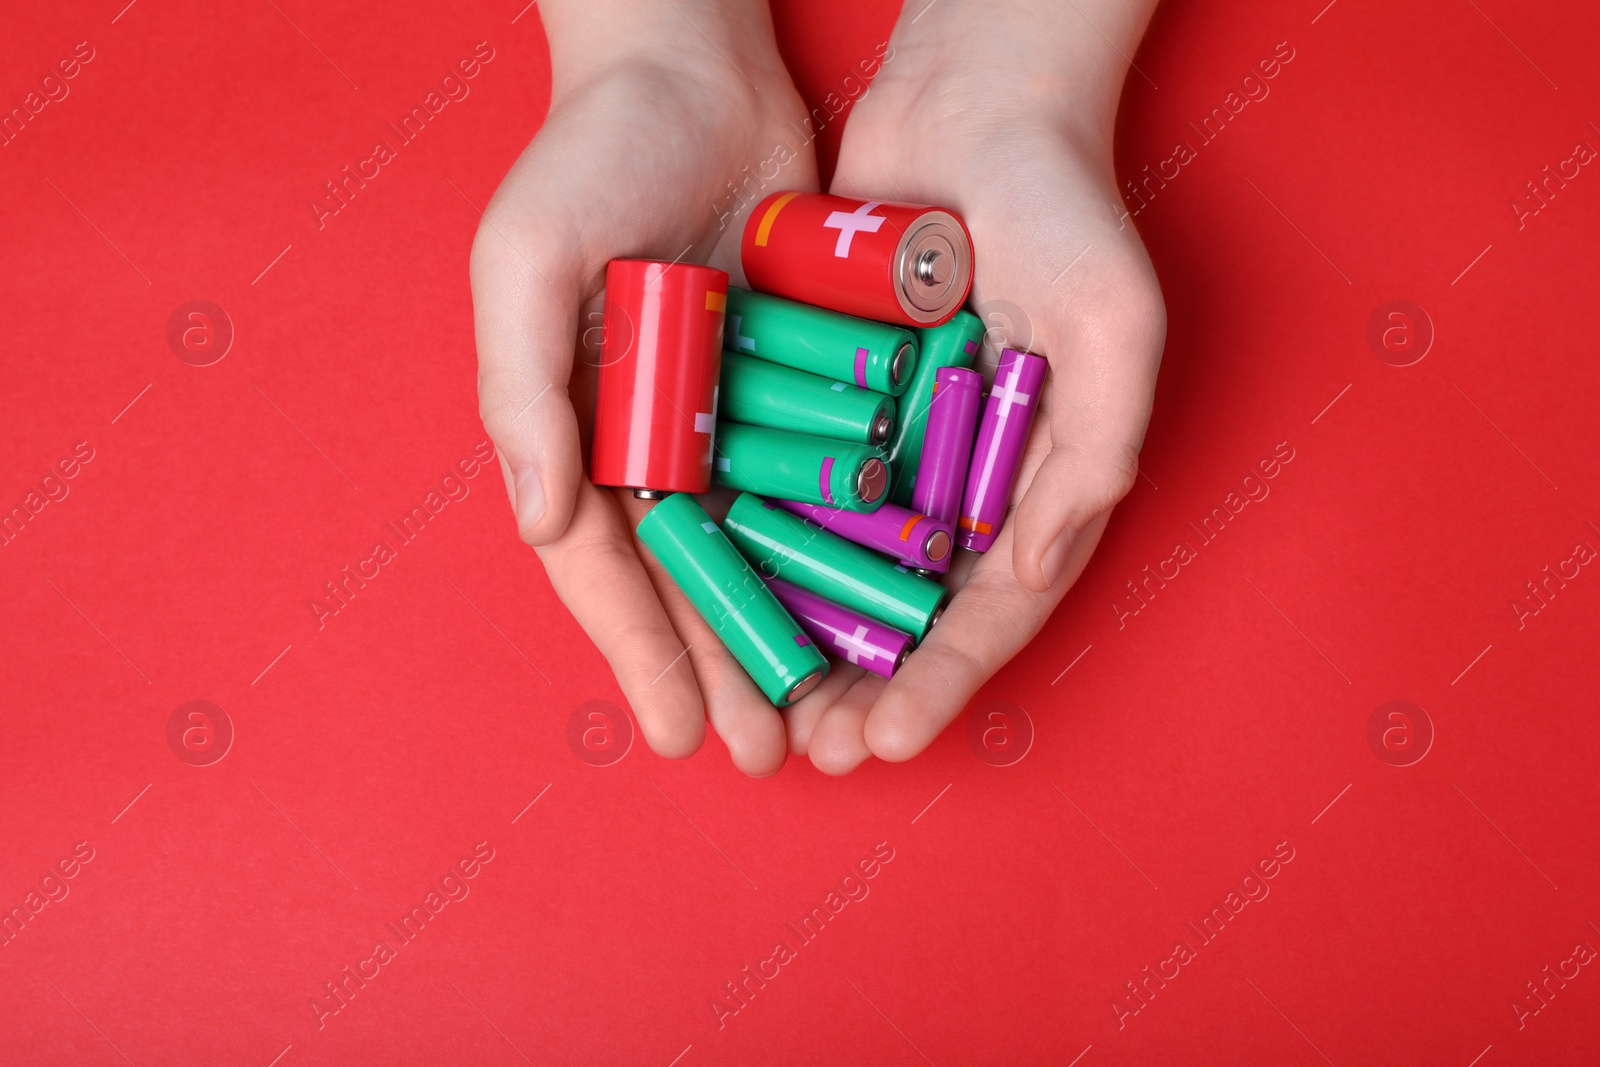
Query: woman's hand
(1004, 113)
(655, 109)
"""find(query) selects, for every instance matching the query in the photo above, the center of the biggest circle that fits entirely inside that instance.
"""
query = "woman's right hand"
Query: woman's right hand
(653, 120)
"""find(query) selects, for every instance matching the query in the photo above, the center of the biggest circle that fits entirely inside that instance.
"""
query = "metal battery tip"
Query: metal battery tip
(872, 479)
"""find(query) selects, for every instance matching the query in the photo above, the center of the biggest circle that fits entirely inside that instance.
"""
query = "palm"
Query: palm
(634, 164)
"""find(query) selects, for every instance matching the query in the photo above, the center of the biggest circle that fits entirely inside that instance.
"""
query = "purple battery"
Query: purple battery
(844, 633)
(1002, 434)
(947, 443)
(912, 538)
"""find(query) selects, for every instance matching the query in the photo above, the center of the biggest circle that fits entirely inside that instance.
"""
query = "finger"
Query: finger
(748, 724)
(987, 622)
(745, 720)
(839, 743)
(528, 281)
(597, 573)
(802, 716)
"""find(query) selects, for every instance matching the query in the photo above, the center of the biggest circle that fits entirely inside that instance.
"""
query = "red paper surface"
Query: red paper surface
(1165, 754)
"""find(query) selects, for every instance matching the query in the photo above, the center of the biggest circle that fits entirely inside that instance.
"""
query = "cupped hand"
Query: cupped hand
(1024, 155)
(650, 120)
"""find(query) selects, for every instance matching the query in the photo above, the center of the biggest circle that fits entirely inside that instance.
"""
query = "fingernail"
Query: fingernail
(1055, 557)
(511, 483)
(529, 498)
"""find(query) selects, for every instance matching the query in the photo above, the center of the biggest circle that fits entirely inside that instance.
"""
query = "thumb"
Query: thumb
(527, 288)
(1104, 346)
(1068, 491)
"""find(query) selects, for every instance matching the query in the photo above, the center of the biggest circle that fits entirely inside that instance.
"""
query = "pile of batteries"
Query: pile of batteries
(849, 419)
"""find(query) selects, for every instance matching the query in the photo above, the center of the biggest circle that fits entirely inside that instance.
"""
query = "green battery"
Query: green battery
(798, 466)
(770, 394)
(873, 355)
(799, 551)
(731, 597)
(955, 344)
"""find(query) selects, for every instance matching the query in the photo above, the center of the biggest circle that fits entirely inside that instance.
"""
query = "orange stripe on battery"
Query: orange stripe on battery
(716, 301)
(764, 230)
(911, 524)
(975, 526)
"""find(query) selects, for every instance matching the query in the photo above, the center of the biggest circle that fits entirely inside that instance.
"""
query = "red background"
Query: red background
(1181, 747)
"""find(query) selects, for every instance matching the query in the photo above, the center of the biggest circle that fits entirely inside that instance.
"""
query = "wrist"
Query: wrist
(1041, 60)
(711, 40)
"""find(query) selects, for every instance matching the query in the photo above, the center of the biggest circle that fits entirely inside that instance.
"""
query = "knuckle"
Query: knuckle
(1117, 480)
(509, 245)
(578, 555)
(990, 601)
(633, 655)
(1142, 311)
(959, 665)
(498, 417)
(1124, 308)
(491, 248)
(1103, 481)
(1100, 473)
(506, 408)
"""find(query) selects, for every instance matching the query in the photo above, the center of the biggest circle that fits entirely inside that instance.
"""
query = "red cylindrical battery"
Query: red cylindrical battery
(897, 263)
(656, 408)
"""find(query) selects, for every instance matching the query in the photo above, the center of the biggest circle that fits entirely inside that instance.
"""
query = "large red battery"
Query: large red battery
(897, 263)
(656, 408)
